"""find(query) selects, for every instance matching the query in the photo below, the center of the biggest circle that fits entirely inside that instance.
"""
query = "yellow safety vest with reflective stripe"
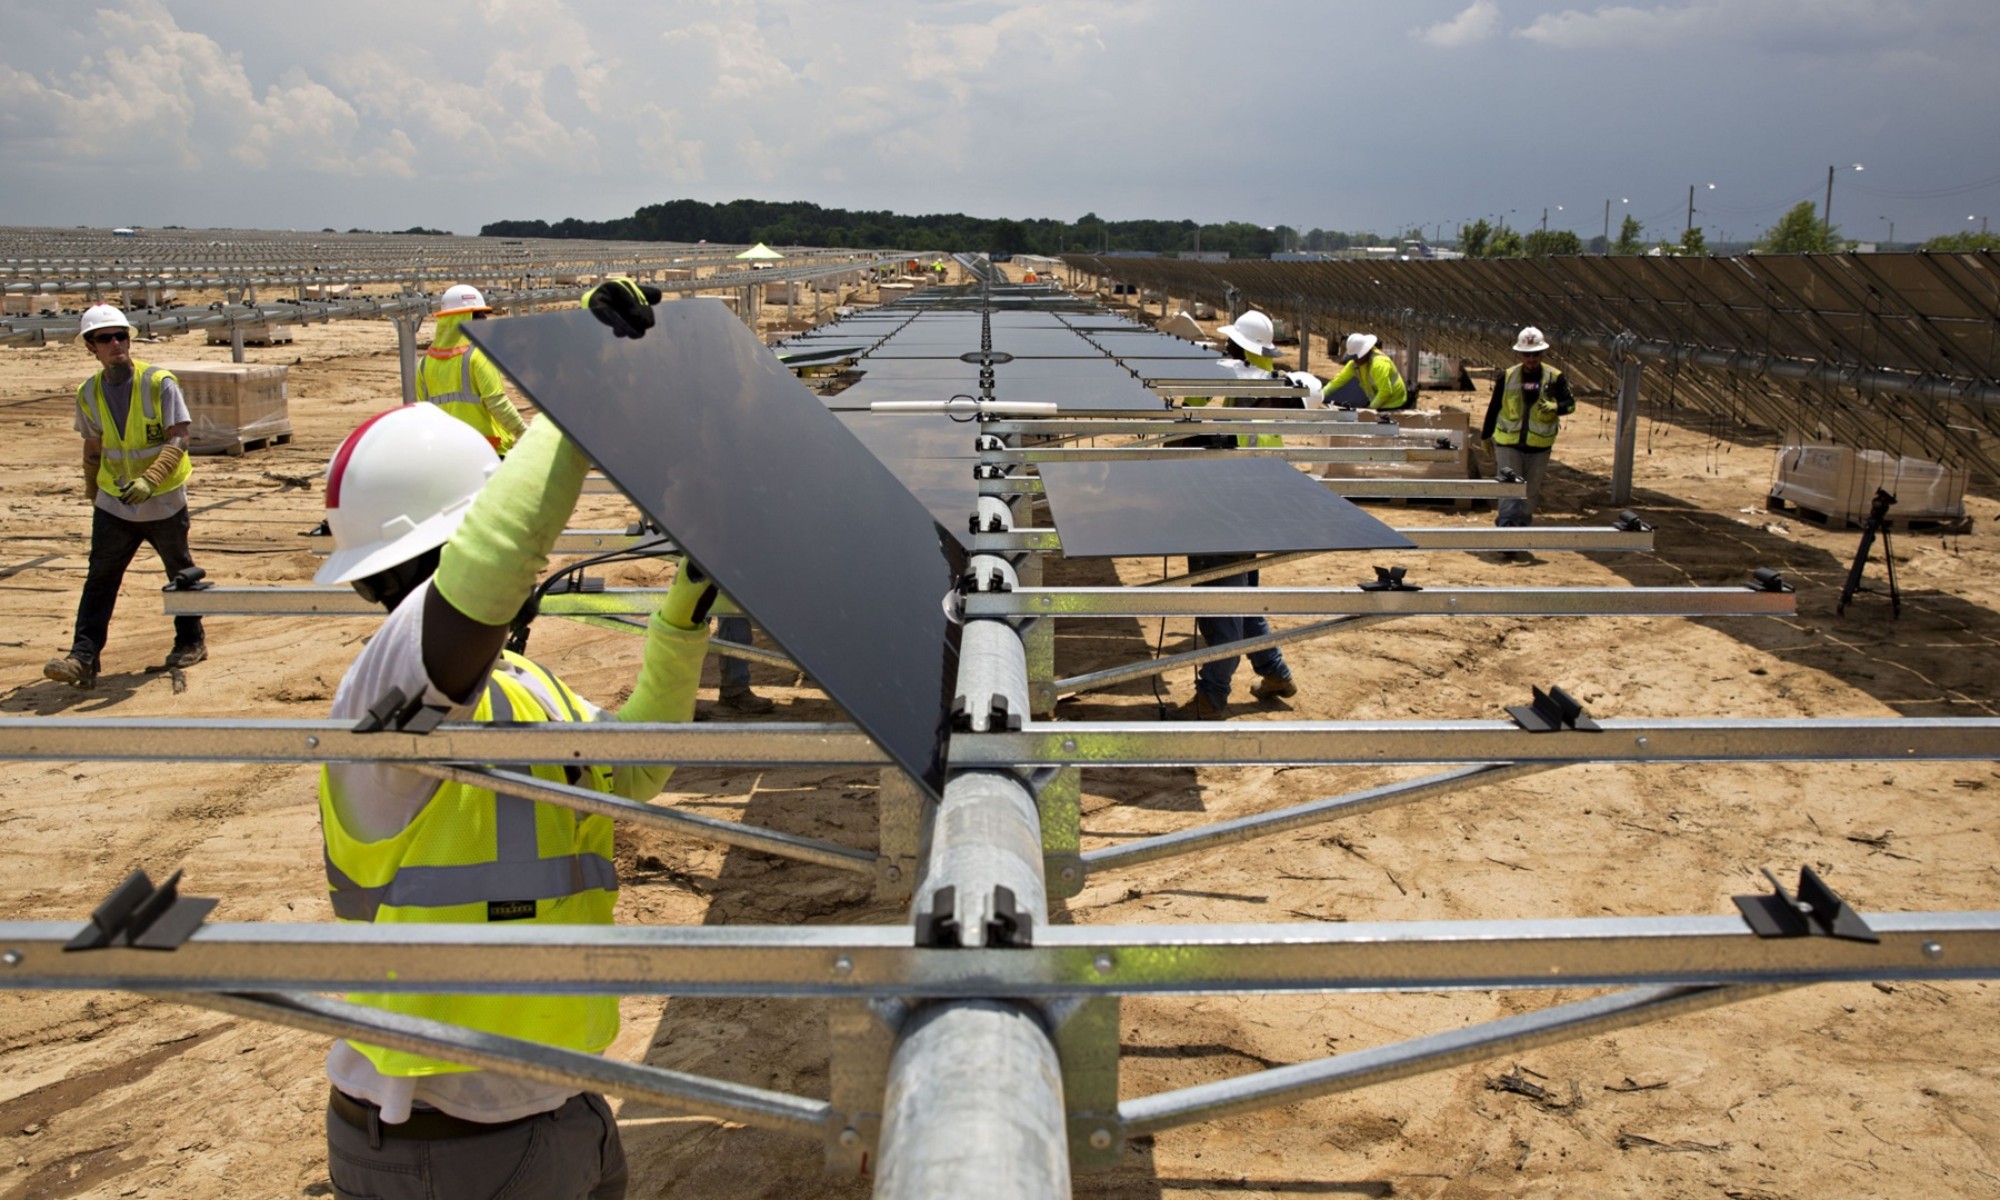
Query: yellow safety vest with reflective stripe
(472, 856)
(1244, 439)
(131, 448)
(1379, 380)
(444, 378)
(1540, 424)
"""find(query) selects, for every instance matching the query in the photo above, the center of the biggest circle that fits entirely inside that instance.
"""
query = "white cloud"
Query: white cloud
(1479, 21)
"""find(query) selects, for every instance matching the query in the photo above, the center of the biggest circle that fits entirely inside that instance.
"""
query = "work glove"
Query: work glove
(690, 597)
(625, 306)
(165, 463)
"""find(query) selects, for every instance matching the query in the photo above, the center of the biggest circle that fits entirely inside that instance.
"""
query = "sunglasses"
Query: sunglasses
(105, 339)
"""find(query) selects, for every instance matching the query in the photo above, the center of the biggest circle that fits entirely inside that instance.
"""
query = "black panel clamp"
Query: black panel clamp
(1815, 912)
(1010, 927)
(397, 713)
(189, 579)
(1631, 522)
(1765, 579)
(1390, 579)
(1551, 711)
(144, 917)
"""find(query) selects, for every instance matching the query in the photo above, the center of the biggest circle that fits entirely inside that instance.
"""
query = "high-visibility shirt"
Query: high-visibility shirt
(131, 447)
(1379, 379)
(1539, 421)
(1260, 368)
(459, 378)
(471, 856)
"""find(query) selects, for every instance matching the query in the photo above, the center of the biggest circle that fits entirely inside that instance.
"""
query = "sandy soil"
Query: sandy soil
(1852, 1090)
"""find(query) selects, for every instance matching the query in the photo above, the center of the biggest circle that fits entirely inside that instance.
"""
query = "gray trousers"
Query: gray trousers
(1530, 467)
(572, 1153)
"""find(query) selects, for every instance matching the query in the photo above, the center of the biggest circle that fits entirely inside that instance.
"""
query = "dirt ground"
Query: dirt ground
(1851, 1090)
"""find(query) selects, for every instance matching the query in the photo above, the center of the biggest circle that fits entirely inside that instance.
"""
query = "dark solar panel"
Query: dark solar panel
(1221, 504)
(715, 440)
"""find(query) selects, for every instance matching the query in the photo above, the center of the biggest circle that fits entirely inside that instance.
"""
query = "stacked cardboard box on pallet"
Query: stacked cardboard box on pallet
(1419, 427)
(1838, 483)
(234, 406)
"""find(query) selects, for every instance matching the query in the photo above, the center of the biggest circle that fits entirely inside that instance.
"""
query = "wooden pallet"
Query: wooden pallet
(1896, 524)
(242, 446)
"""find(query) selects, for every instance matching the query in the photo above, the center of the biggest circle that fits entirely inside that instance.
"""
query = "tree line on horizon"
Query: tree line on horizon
(802, 223)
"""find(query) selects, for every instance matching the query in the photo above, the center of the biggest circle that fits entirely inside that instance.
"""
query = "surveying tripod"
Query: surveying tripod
(1878, 522)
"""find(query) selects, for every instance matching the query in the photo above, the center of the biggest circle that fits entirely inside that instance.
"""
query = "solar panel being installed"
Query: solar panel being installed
(1216, 505)
(722, 446)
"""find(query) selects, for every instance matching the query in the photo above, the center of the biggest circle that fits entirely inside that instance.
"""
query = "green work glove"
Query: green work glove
(625, 306)
(135, 491)
(689, 599)
(498, 552)
(663, 692)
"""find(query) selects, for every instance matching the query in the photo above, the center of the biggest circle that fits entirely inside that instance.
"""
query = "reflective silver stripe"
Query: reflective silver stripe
(142, 386)
(465, 393)
(513, 817)
(441, 887)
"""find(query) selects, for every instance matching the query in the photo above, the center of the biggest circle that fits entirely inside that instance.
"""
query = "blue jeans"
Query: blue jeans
(735, 671)
(1212, 680)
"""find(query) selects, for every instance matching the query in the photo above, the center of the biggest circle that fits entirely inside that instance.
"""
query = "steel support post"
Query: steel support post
(406, 351)
(1627, 437)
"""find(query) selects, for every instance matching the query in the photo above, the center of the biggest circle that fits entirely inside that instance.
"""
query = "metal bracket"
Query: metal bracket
(1765, 579)
(1085, 1033)
(1815, 912)
(1059, 803)
(1631, 522)
(397, 713)
(992, 516)
(990, 573)
(1390, 579)
(1550, 711)
(578, 584)
(1008, 925)
(861, 1037)
(139, 915)
(189, 579)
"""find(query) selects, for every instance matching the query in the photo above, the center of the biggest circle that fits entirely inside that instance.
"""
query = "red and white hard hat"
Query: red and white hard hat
(1531, 341)
(398, 486)
(103, 316)
(1253, 332)
(461, 298)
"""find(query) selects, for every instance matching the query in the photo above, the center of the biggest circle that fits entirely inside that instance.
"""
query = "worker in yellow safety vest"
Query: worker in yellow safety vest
(135, 425)
(457, 376)
(1381, 384)
(1252, 352)
(429, 523)
(1522, 420)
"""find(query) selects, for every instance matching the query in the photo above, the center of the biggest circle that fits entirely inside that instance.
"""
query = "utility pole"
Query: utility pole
(1690, 224)
(1607, 225)
(1826, 213)
(1545, 218)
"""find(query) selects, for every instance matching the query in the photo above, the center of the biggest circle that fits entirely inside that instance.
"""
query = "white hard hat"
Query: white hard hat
(103, 316)
(1252, 331)
(461, 298)
(1531, 341)
(398, 486)
(1359, 344)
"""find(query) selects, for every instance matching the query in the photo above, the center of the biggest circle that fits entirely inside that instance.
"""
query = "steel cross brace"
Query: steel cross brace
(1330, 601)
(862, 961)
(1036, 745)
(1297, 454)
(1471, 537)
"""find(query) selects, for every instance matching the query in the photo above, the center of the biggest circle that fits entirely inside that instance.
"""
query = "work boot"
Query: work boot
(744, 702)
(187, 656)
(73, 670)
(1201, 708)
(1275, 687)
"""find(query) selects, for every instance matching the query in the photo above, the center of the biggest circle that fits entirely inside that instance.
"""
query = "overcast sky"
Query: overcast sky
(1338, 114)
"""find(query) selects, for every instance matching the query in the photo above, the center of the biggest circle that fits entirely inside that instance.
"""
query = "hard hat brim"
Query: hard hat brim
(453, 312)
(1266, 349)
(359, 562)
(1368, 341)
(1530, 347)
